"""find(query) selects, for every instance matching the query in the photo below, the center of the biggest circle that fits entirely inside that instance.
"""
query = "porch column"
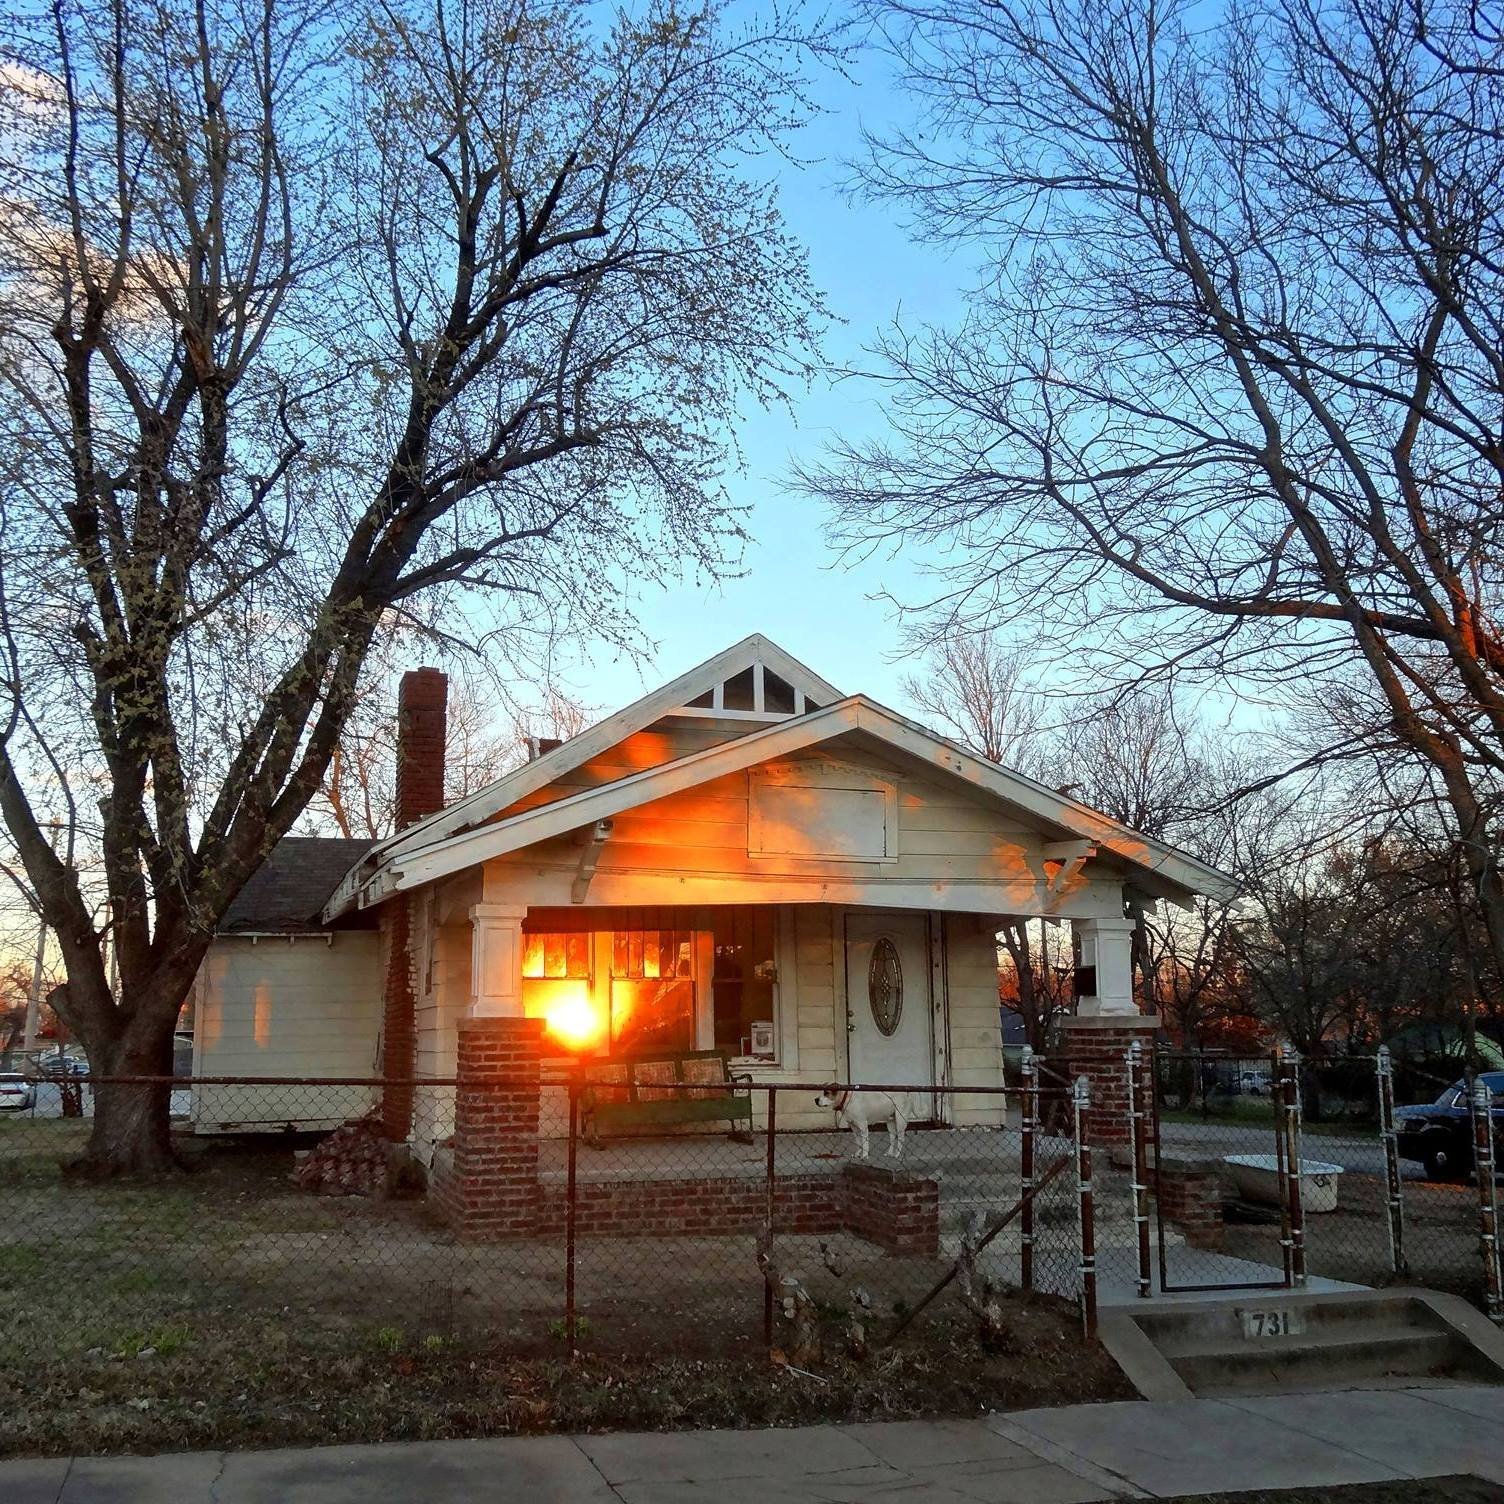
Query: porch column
(1105, 1024)
(496, 960)
(1106, 949)
(487, 1187)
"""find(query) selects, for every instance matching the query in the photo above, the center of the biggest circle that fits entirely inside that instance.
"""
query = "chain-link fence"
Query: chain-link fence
(297, 1205)
(1388, 1190)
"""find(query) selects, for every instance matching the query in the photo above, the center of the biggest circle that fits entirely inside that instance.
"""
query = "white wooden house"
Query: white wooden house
(745, 859)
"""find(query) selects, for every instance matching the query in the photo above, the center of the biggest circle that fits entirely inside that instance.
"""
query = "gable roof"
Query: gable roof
(1159, 867)
(286, 894)
(755, 652)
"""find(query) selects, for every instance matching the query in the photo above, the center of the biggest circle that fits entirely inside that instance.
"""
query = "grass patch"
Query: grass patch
(1256, 1112)
(261, 1382)
(228, 1309)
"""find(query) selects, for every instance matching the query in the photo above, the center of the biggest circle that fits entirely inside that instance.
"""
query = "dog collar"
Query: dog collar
(842, 1100)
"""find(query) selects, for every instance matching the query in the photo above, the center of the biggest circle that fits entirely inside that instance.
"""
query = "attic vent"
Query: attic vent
(777, 694)
(739, 691)
(754, 691)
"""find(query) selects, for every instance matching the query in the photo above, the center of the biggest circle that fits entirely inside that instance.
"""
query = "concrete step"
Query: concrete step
(1178, 1347)
(1342, 1354)
(1223, 1319)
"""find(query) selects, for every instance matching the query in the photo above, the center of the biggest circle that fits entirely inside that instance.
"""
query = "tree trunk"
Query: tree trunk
(130, 1134)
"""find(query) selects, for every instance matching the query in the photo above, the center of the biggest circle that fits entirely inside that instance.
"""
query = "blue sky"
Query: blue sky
(792, 589)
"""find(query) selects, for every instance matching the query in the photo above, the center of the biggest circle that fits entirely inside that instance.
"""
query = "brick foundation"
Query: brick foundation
(1190, 1196)
(898, 1213)
(486, 1183)
(1097, 1047)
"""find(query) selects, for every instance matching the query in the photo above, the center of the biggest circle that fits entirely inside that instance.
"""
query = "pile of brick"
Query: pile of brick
(352, 1161)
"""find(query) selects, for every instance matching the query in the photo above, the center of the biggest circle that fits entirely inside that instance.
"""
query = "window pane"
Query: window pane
(532, 955)
(744, 981)
(651, 1016)
(554, 956)
(650, 953)
(577, 955)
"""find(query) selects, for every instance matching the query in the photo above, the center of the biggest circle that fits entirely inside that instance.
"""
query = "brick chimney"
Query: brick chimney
(421, 702)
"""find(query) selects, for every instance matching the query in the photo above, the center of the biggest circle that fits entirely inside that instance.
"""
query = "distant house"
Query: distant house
(745, 860)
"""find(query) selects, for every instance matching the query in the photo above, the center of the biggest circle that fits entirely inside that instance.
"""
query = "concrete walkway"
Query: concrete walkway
(1079, 1453)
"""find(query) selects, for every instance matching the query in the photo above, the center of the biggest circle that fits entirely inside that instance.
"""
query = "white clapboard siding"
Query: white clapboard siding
(976, 1037)
(290, 1008)
(703, 833)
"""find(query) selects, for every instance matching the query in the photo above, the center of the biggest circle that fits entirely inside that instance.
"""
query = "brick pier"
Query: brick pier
(1096, 1046)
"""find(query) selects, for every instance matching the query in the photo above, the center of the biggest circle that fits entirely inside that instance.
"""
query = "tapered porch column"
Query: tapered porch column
(496, 960)
(1105, 947)
(1106, 1023)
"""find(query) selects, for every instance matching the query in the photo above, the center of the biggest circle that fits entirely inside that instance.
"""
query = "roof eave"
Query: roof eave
(1185, 876)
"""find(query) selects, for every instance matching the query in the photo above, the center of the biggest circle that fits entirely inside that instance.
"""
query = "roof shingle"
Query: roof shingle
(287, 894)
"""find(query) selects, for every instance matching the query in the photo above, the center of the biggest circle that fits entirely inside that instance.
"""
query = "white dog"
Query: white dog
(862, 1111)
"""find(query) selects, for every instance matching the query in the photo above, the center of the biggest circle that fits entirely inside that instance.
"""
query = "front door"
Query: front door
(890, 1024)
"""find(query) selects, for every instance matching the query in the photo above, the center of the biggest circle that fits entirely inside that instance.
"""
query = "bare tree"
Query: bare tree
(1227, 397)
(974, 688)
(483, 739)
(317, 322)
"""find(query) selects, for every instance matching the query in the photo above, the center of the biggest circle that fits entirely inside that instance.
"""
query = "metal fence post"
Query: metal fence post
(1138, 1122)
(1029, 1117)
(1080, 1107)
(1394, 1185)
(571, 1200)
(1291, 1165)
(771, 1191)
(1481, 1103)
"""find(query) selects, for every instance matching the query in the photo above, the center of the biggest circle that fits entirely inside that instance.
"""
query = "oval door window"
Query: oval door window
(885, 986)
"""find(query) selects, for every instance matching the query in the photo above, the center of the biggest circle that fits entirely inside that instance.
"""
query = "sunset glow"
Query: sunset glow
(573, 1019)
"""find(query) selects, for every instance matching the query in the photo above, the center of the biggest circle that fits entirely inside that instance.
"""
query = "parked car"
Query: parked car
(1439, 1135)
(17, 1092)
(60, 1064)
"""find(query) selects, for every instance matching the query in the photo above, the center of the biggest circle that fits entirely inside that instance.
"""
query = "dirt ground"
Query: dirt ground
(228, 1308)
(1463, 1489)
(1352, 1243)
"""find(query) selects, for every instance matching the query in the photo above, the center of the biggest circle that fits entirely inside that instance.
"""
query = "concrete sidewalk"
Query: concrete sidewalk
(1079, 1453)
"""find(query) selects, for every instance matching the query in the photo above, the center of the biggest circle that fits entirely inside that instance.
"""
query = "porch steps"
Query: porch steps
(1340, 1341)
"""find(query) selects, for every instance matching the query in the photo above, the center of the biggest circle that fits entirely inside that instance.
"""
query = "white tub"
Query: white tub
(1257, 1179)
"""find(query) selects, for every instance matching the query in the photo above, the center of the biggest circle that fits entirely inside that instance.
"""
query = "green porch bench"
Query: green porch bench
(691, 1086)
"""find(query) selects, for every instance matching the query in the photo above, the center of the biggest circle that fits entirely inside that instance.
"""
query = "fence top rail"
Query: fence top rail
(559, 1078)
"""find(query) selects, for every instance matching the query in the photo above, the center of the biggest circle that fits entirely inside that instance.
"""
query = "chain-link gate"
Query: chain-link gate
(1197, 1120)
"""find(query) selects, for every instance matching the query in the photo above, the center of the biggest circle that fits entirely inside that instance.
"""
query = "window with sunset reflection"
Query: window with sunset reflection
(643, 1004)
(645, 989)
